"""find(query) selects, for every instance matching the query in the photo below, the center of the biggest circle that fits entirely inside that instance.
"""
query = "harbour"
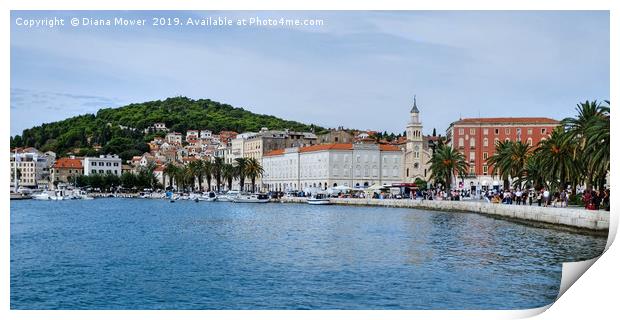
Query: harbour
(115, 253)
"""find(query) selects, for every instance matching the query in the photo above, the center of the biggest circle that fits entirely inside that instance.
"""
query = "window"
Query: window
(472, 156)
(485, 155)
(507, 130)
(461, 131)
(116, 164)
(485, 131)
(485, 142)
(472, 131)
(485, 170)
(543, 130)
(472, 142)
(461, 142)
(518, 131)
(529, 131)
(100, 171)
(93, 171)
(529, 141)
(496, 131)
(507, 139)
(472, 171)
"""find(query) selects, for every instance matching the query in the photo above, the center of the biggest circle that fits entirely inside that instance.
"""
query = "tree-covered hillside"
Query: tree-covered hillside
(83, 133)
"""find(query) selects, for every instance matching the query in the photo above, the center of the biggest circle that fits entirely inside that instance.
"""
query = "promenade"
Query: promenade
(579, 218)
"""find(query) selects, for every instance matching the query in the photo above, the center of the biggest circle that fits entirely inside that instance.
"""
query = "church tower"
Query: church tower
(414, 158)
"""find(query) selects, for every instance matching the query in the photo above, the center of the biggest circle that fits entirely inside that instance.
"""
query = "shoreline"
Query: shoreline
(579, 220)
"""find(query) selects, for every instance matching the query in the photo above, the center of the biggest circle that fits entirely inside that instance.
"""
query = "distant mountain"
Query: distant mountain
(121, 130)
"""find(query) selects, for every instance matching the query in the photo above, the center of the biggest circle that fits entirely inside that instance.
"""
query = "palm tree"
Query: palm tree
(207, 172)
(557, 158)
(216, 169)
(501, 161)
(445, 162)
(241, 172)
(171, 171)
(533, 174)
(253, 170)
(196, 169)
(228, 173)
(597, 145)
(590, 117)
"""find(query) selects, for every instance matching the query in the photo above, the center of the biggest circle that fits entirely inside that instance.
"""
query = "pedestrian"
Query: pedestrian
(545, 197)
(518, 195)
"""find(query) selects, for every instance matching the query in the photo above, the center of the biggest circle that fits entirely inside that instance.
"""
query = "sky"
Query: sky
(360, 69)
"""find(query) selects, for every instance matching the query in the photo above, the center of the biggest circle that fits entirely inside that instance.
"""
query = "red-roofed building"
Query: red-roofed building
(329, 165)
(65, 170)
(475, 138)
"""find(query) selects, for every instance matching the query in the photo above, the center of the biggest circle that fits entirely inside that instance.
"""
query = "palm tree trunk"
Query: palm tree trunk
(253, 184)
(209, 183)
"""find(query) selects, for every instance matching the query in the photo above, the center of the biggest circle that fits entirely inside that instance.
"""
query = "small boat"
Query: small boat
(318, 199)
(41, 196)
(207, 196)
(251, 198)
(228, 196)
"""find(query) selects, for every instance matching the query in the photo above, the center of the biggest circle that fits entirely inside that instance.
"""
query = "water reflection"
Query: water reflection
(148, 254)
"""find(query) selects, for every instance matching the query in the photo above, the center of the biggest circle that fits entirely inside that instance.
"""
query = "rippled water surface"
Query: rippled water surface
(151, 254)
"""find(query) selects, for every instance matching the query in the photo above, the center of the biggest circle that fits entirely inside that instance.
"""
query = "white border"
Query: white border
(592, 296)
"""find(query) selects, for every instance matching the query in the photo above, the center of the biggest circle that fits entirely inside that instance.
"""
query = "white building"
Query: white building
(174, 137)
(192, 135)
(329, 165)
(31, 167)
(104, 164)
(205, 134)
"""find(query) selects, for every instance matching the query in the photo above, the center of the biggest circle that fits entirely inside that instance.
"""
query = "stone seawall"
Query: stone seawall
(569, 217)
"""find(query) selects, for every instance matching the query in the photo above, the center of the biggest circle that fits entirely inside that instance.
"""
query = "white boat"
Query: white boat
(318, 199)
(60, 195)
(208, 196)
(251, 198)
(228, 196)
(41, 196)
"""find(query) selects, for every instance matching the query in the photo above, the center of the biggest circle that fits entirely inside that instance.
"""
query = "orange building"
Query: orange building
(475, 138)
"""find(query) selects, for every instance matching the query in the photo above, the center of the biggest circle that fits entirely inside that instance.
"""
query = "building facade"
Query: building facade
(329, 165)
(476, 138)
(104, 164)
(65, 170)
(417, 151)
(31, 167)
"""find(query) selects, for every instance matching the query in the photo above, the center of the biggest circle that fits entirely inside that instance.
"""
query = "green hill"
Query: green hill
(84, 132)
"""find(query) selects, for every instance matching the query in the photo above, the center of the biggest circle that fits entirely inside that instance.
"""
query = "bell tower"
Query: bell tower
(414, 166)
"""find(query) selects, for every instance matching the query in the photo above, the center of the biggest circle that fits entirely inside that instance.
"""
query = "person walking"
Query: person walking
(518, 195)
(545, 197)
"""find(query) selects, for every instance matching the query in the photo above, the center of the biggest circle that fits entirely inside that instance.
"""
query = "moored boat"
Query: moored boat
(318, 199)
(251, 198)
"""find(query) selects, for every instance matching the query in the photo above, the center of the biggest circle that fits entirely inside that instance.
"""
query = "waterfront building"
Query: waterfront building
(65, 170)
(476, 138)
(417, 151)
(104, 164)
(329, 165)
(174, 138)
(31, 167)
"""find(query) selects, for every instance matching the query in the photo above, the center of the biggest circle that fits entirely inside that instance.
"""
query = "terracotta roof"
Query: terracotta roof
(387, 147)
(332, 146)
(277, 152)
(68, 163)
(508, 120)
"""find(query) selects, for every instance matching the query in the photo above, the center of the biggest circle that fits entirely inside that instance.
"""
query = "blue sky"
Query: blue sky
(359, 70)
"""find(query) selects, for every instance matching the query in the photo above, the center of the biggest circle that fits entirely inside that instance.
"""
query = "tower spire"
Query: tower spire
(414, 109)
